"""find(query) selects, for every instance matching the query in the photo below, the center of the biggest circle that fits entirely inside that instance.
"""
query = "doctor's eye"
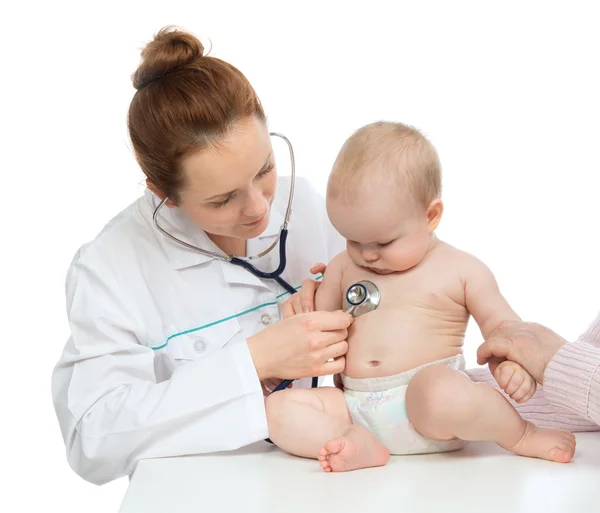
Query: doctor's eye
(266, 171)
(222, 203)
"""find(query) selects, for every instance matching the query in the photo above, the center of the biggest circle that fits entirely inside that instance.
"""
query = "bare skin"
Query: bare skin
(429, 291)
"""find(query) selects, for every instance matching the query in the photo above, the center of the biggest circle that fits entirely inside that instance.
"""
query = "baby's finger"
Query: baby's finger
(521, 392)
(514, 384)
(503, 373)
(530, 394)
(530, 389)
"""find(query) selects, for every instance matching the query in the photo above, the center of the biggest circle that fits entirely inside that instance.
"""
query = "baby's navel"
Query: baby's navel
(374, 363)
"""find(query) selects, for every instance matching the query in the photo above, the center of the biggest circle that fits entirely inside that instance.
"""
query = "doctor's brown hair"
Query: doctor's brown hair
(185, 102)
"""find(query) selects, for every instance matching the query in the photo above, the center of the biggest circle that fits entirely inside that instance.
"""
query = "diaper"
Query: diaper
(378, 405)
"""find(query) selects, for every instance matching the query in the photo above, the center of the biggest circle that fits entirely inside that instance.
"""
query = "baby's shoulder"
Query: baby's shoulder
(455, 255)
(341, 260)
(465, 264)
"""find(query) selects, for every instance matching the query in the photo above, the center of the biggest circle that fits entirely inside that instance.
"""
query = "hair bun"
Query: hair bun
(170, 50)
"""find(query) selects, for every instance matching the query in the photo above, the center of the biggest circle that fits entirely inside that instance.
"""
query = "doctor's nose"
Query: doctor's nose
(256, 205)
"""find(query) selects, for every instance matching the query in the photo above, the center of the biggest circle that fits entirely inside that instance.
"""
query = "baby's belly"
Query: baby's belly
(391, 341)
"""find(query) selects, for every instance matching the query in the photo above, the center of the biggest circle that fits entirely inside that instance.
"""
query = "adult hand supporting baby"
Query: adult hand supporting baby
(304, 300)
(529, 344)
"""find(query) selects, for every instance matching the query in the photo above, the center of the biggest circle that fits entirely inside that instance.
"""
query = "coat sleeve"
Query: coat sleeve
(111, 409)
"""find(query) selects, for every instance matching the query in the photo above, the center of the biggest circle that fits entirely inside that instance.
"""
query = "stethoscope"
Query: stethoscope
(361, 298)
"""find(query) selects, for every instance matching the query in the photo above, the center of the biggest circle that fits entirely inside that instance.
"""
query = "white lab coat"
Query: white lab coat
(137, 379)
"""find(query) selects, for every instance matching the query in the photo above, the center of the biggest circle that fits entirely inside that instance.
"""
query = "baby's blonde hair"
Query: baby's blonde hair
(392, 153)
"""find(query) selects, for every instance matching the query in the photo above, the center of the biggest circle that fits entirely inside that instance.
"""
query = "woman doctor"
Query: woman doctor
(171, 350)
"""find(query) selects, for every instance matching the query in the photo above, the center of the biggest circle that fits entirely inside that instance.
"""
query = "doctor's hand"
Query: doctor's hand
(303, 301)
(311, 344)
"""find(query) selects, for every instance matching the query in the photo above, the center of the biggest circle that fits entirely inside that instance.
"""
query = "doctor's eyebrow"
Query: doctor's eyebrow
(226, 194)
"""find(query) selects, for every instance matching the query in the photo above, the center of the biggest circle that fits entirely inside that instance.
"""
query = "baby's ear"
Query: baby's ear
(434, 214)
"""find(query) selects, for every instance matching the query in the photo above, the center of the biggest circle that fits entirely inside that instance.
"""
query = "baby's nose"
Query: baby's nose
(370, 256)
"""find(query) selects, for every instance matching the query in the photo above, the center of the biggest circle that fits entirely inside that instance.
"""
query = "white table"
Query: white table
(481, 478)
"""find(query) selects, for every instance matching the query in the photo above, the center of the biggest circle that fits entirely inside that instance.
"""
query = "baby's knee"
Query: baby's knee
(437, 391)
(276, 404)
(281, 402)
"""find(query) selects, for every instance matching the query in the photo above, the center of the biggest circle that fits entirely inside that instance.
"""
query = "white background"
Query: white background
(508, 93)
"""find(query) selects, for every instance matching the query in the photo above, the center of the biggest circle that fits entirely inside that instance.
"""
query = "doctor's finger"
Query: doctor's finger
(335, 350)
(328, 338)
(328, 321)
(307, 295)
(336, 366)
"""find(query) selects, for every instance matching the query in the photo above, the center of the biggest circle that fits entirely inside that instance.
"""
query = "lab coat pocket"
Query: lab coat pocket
(200, 343)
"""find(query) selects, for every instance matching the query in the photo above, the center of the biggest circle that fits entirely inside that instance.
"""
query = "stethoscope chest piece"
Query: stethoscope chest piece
(361, 298)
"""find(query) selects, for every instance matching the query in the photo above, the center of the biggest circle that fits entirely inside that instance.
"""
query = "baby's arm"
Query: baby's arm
(483, 298)
(329, 295)
(489, 308)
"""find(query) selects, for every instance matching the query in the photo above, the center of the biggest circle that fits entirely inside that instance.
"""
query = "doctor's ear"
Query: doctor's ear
(434, 214)
(159, 193)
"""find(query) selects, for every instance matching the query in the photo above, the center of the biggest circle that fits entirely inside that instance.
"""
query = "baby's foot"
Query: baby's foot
(546, 443)
(356, 449)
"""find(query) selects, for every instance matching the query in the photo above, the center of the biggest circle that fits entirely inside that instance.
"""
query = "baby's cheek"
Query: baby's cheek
(353, 254)
(405, 258)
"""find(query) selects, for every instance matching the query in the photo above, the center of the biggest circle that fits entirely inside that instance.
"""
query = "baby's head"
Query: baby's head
(384, 196)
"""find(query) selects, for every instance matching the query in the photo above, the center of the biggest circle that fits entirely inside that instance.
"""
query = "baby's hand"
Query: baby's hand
(515, 381)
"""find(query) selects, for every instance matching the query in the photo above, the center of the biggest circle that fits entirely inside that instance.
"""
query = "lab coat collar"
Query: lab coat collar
(181, 257)
(234, 274)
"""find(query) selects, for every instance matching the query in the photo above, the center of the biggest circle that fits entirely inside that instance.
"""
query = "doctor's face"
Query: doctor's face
(229, 188)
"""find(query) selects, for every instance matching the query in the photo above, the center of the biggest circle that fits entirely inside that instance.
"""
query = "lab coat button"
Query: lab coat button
(266, 319)
(200, 346)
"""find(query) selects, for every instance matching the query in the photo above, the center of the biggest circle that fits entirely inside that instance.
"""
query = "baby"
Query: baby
(404, 389)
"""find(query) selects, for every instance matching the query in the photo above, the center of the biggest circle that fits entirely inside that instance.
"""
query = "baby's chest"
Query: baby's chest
(443, 292)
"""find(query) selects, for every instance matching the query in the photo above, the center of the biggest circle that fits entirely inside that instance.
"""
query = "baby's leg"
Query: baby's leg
(443, 404)
(315, 423)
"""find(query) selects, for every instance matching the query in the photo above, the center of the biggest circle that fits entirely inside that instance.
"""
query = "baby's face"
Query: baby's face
(383, 233)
